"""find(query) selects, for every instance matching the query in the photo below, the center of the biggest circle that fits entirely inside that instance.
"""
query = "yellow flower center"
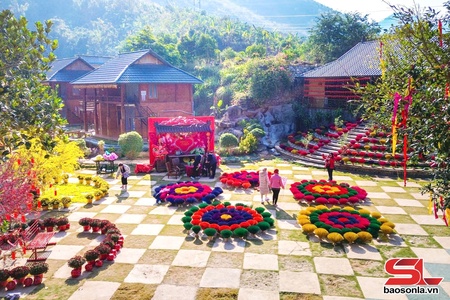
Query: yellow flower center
(186, 190)
(225, 217)
(326, 189)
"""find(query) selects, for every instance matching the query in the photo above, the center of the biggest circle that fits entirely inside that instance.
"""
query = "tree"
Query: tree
(27, 107)
(335, 33)
(228, 141)
(16, 183)
(416, 71)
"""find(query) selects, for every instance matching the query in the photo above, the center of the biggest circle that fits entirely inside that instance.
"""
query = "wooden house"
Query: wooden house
(131, 87)
(327, 87)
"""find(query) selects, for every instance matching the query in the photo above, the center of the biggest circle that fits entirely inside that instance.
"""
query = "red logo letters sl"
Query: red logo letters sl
(412, 271)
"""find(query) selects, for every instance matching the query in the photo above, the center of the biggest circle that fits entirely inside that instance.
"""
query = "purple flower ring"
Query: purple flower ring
(327, 192)
(186, 192)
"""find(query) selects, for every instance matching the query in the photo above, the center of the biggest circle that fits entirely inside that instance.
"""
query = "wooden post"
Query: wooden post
(122, 108)
(85, 112)
(95, 112)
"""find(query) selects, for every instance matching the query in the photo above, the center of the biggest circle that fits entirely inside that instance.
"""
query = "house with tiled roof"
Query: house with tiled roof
(133, 86)
(59, 76)
(328, 86)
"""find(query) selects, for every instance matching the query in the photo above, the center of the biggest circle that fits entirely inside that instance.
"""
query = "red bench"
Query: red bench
(36, 240)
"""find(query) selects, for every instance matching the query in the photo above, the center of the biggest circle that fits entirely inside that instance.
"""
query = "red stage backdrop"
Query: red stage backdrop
(179, 134)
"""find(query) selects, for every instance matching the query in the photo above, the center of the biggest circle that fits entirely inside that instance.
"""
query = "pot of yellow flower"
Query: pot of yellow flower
(89, 198)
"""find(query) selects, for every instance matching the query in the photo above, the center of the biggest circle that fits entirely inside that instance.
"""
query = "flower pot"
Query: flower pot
(110, 257)
(38, 279)
(104, 230)
(76, 273)
(88, 267)
(95, 229)
(45, 207)
(103, 256)
(3, 283)
(97, 198)
(66, 205)
(86, 227)
(67, 226)
(113, 252)
(99, 263)
(89, 201)
(11, 285)
(62, 228)
(20, 280)
(49, 229)
(55, 207)
(117, 247)
(28, 282)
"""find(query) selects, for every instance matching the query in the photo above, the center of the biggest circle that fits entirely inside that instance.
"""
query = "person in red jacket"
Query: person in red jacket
(275, 184)
(329, 165)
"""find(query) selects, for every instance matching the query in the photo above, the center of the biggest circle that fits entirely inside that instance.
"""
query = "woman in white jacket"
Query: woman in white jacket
(264, 189)
(124, 171)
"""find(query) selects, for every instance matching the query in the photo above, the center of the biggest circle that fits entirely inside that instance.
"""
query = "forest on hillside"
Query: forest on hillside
(240, 63)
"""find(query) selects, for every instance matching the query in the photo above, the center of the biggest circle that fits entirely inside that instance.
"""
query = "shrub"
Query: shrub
(210, 232)
(91, 255)
(253, 229)
(76, 262)
(196, 229)
(131, 144)
(62, 221)
(85, 221)
(187, 226)
(103, 249)
(263, 225)
(228, 141)
(226, 233)
(4, 274)
(96, 223)
(38, 268)
(248, 143)
(240, 232)
(49, 222)
(20, 272)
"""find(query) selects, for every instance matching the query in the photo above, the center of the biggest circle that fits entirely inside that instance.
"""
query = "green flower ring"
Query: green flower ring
(227, 219)
(327, 192)
(339, 224)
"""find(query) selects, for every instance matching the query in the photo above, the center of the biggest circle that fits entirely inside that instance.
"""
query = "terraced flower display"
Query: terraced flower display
(343, 224)
(327, 192)
(227, 219)
(243, 179)
(186, 192)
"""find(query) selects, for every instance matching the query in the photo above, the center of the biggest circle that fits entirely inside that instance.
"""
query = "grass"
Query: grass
(437, 230)
(340, 285)
(74, 190)
(292, 235)
(55, 289)
(183, 276)
(392, 252)
(421, 241)
(113, 272)
(295, 296)
(128, 291)
(371, 268)
(215, 294)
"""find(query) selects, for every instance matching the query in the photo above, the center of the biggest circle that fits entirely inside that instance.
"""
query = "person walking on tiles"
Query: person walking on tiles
(329, 165)
(264, 185)
(276, 183)
(124, 171)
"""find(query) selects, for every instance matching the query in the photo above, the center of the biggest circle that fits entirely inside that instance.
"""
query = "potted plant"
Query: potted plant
(66, 201)
(38, 269)
(49, 223)
(4, 276)
(86, 223)
(80, 179)
(65, 178)
(104, 225)
(89, 198)
(88, 179)
(95, 224)
(91, 256)
(76, 263)
(62, 223)
(45, 202)
(55, 203)
(98, 194)
(104, 250)
(19, 273)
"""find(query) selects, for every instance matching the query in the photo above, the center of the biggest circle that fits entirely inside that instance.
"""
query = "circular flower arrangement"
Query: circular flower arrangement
(325, 192)
(220, 218)
(337, 224)
(243, 179)
(186, 192)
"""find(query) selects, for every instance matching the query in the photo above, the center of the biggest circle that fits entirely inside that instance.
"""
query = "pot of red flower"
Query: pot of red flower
(76, 263)
(103, 226)
(95, 224)
(38, 269)
(86, 223)
(62, 223)
(104, 250)
(49, 224)
(91, 256)
(19, 273)
(4, 276)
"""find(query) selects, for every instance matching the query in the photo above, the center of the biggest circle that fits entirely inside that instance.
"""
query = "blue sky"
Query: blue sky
(378, 9)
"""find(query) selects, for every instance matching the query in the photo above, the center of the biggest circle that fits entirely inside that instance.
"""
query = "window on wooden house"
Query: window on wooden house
(148, 91)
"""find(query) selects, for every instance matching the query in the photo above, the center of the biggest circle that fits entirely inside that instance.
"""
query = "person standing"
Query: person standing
(124, 172)
(264, 185)
(329, 165)
(276, 183)
(211, 162)
(197, 166)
